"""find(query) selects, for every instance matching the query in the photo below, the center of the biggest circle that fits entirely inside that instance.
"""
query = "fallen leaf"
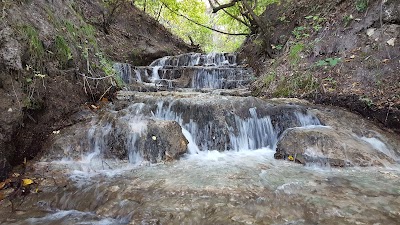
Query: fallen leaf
(2, 184)
(26, 182)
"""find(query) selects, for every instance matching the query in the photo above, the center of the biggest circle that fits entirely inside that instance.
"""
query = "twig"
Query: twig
(95, 78)
(105, 92)
(387, 115)
(19, 103)
(102, 161)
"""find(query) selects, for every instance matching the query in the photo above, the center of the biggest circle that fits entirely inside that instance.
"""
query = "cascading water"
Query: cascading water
(193, 70)
(115, 169)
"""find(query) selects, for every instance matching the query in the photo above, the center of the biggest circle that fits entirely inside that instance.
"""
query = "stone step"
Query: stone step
(197, 59)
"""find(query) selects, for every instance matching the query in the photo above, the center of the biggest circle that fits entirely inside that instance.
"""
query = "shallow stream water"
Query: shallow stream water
(244, 187)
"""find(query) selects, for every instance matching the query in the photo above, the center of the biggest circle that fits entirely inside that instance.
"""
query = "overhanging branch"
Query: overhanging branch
(224, 6)
(199, 24)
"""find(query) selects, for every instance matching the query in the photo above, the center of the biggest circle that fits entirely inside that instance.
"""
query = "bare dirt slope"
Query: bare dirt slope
(345, 53)
(48, 49)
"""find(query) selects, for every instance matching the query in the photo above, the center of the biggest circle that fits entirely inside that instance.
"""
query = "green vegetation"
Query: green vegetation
(35, 45)
(368, 102)
(362, 5)
(190, 20)
(347, 19)
(63, 51)
(296, 85)
(294, 54)
(328, 62)
(269, 78)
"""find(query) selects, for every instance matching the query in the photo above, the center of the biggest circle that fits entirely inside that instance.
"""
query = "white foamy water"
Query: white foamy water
(382, 147)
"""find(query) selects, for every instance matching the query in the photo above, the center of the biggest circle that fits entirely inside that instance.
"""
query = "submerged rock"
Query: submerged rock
(329, 146)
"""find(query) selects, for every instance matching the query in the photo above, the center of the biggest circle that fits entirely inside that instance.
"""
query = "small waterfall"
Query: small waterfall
(253, 133)
(124, 71)
(155, 76)
(307, 119)
(138, 76)
(243, 134)
(192, 70)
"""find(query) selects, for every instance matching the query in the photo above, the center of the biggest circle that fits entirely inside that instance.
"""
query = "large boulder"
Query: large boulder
(334, 147)
(114, 135)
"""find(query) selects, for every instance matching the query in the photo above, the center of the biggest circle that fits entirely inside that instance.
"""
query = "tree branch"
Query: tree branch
(224, 6)
(199, 24)
(231, 15)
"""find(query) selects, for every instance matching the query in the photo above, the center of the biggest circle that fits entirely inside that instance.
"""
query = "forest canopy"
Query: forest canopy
(215, 25)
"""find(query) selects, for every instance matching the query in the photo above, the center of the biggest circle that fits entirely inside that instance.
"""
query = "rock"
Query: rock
(163, 141)
(391, 11)
(5, 168)
(326, 145)
(119, 136)
(10, 50)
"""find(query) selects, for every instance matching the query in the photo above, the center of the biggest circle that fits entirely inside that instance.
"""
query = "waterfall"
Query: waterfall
(124, 71)
(191, 70)
(253, 133)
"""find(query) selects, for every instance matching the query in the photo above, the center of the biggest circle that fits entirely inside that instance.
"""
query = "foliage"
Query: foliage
(35, 45)
(328, 62)
(347, 19)
(269, 79)
(295, 85)
(294, 54)
(368, 102)
(197, 11)
(362, 5)
(63, 51)
(108, 68)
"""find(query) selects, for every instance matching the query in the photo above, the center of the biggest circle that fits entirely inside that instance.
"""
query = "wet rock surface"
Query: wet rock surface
(125, 138)
(330, 147)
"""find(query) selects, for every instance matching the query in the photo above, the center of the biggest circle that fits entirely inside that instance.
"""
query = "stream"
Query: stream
(185, 143)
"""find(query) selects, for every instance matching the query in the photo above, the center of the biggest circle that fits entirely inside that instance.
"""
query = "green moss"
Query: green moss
(35, 45)
(63, 51)
(294, 54)
(296, 85)
(362, 5)
(269, 79)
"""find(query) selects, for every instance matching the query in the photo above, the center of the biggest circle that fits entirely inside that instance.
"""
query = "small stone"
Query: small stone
(154, 138)
(10, 110)
(370, 32)
(391, 41)
(114, 188)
